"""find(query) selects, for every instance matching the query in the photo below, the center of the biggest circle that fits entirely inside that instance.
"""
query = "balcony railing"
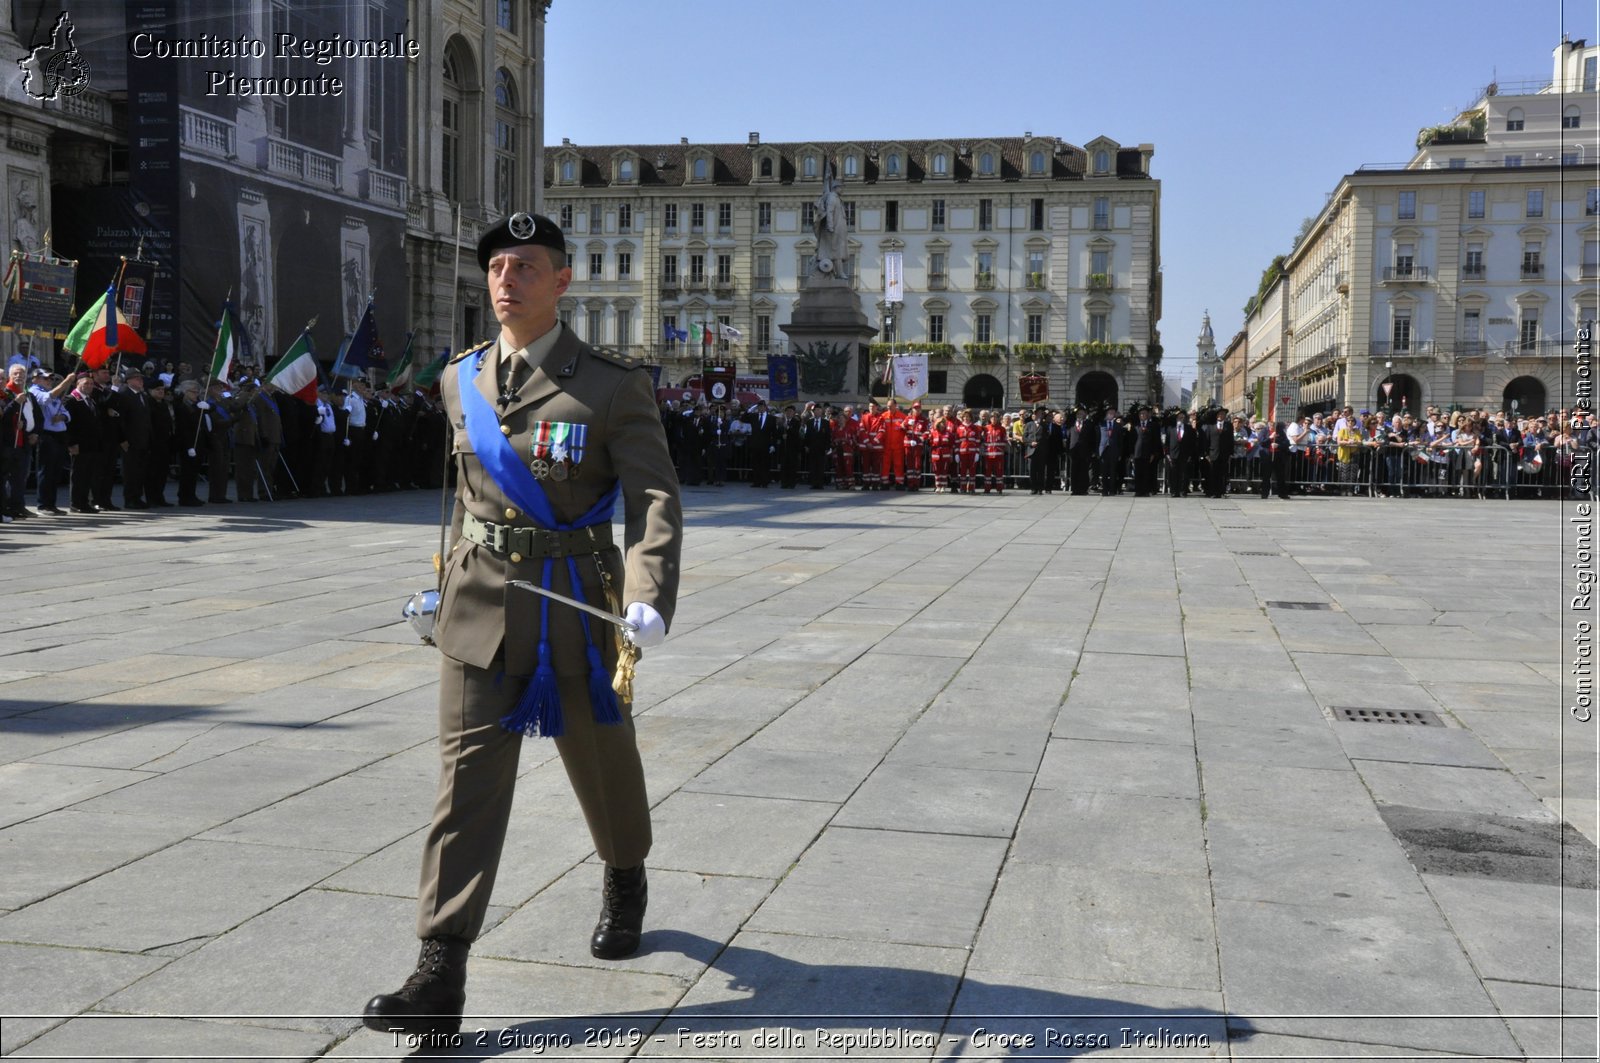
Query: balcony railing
(1035, 282)
(1405, 274)
(695, 284)
(1588, 271)
(1407, 349)
(383, 187)
(938, 282)
(1537, 349)
(1532, 271)
(311, 166)
(1102, 223)
(722, 284)
(763, 283)
(1321, 360)
(207, 133)
(983, 282)
(1473, 272)
(1099, 282)
(1471, 348)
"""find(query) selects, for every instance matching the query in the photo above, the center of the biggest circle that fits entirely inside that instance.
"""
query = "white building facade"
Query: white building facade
(1021, 254)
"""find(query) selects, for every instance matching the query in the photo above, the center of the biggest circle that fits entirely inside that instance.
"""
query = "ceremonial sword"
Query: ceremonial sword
(612, 618)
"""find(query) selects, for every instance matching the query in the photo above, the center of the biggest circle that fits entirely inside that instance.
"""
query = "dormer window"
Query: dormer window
(700, 169)
(1102, 161)
(625, 170)
(986, 163)
(941, 164)
(809, 167)
(850, 166)
(766, 166)
(568, 169)
(1514, 120)
(1036, 162)
(892, 167)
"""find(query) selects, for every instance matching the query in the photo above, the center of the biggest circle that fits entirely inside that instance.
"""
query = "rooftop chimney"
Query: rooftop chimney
(683, 140)
(755, 138)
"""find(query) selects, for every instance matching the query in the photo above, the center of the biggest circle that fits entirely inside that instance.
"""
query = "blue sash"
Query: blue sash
(538, 712)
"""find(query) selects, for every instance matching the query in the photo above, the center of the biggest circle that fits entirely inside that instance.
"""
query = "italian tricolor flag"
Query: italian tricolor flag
(98, 334)
(227, 345)
(296, 371)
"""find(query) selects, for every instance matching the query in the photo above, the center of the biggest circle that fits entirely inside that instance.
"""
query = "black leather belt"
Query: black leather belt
(519, 543)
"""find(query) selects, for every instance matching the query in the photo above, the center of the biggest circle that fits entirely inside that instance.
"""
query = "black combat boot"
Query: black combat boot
(616, 935)
(431, 1000)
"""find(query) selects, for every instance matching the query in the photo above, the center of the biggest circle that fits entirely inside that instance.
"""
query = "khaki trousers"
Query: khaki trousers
(478, 772)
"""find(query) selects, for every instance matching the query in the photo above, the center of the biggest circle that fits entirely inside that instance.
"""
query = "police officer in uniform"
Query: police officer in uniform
(538, 407)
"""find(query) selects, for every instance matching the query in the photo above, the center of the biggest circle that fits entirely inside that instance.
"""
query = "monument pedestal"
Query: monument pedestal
(828, 335)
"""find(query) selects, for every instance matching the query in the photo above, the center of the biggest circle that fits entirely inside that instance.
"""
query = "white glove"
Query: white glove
(347, 442)
(191, 452)
(374, 437)
(652, 629)
(202, 405)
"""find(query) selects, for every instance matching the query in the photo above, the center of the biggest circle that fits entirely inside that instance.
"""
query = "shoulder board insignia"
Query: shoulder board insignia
(617, 358)
(471, 350)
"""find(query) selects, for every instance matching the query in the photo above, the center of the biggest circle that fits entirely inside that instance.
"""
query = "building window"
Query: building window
(1475, 204)
(1591, 259)
(700, 169)
(625, 217)
(1514, 120)
(891, 216)
(1036, 163)
(1589, 74)
(1401, 331)
(624, 327)
(808, 215)
(597, 265)
(1473, 267)
(566, 217)
(766, 166)
(506, 15)
(1036, 215)
(1472, 328)
(1570, 118)
(850, 215)
(1571, 158)
(595, 219)
(724, 269)
(941, 164)
(763, 331)
(892, 167)
(697, 217)
(1591, 201)
(669, 269)
(986, 163)
(669, 218)
(937, 215)
(985, 215)
(450, 130)
(809, 166)
(625, 171)
(1528, 330)
(1408, 206)
(936, 274)
(1405, 257)
(1102, 213)
(624, 265)
(983, 328)
(1098, 325)
(1535, 205)
(1099, 263)
(851, 166)
(985, 270)
(1457, 163)
(1513, 162)
(596, 320)
(764, 217)
(935, 328)
(1102, 161)
(1532, 261)
(697, 269)
(724, 218)
(505, 140)
(763, 273)
(1035, 328)
(669, 329)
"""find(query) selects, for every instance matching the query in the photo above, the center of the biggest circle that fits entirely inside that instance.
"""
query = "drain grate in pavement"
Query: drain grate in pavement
(1299, 605)
(1483, 845)
(1256, 553)
(799, 548)
(1235, 527)
(1359, 714)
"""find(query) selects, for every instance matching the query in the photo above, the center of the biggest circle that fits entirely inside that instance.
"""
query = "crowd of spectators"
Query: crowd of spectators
(75, 436)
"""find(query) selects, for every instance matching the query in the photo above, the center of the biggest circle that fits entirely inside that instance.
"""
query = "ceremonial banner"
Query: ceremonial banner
(894, 289)
(910, 376)
(97, 335)
(39, 295)
(134, 286)
(296, 371)
(783, 378)
(718, 382)
(1033, 387)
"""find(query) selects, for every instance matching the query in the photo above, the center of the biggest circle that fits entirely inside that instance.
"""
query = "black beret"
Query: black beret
(521, 228)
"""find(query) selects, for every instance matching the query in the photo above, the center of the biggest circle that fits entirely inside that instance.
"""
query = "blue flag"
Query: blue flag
(783, 378)
(671, 333)
(364, 351)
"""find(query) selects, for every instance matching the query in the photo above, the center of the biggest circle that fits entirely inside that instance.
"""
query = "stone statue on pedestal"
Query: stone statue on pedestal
(831, 229)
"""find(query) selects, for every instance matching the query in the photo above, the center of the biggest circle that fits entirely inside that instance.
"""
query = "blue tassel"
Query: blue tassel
(538, 711)
(606, 710)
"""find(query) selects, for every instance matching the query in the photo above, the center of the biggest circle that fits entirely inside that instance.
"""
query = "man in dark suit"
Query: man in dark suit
(161, 429)
(1037, 443)
(1110, 454)
(132, 406)
(515, 664)
(764, 437)
(1219, 453)
(818, 443)
(1182, 446)
(1082, 437)
(1146, 453)
(791, 448)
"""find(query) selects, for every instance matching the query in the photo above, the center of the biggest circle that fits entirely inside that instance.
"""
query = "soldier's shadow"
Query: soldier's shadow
(922, 1013)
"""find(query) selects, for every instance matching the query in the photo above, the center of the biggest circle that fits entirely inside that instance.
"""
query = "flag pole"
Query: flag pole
(444, 475)
(205, 389)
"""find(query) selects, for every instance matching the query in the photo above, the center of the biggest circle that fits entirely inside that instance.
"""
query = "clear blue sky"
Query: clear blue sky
(1256, 109)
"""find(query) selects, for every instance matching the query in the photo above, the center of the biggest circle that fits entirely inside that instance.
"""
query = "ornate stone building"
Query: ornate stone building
(1460, 277)
(1021, 254)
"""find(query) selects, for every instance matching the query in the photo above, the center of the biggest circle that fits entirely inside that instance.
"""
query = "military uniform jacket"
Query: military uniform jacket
(576, 384)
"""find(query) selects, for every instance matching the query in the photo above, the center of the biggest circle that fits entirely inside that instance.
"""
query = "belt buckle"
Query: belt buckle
(498, 534)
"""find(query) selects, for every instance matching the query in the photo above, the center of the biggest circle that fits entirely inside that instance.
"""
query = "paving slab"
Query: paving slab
(753, 770)
(45, 985)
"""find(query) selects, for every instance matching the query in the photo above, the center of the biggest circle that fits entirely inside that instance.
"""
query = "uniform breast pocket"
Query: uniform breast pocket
(469, 472)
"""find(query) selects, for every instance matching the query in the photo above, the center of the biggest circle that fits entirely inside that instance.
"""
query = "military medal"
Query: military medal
(540, 465)
(577, 436)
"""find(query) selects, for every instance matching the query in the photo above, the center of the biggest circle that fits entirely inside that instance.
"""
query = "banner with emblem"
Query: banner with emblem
(783, 378)
(718, 382)
(894, 286)
(135, 282)
(39, 290)
(910, 376)
(1033, 387)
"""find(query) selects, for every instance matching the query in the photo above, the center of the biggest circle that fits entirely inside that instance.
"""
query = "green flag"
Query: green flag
(402, 366)
(429, 374)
